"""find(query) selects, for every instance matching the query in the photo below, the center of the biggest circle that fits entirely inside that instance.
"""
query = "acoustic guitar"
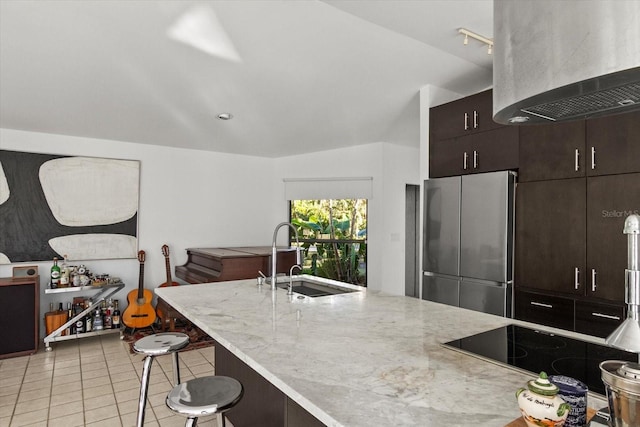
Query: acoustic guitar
(169, 282)
(140, 313)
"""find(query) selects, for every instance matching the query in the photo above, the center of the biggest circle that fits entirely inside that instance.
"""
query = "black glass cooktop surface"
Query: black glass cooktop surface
(534, 351)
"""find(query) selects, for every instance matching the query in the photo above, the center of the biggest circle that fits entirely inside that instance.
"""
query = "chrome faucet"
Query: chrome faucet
(274, 251)
(290, 286)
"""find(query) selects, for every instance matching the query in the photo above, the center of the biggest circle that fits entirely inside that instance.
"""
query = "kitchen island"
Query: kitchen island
(361, 358)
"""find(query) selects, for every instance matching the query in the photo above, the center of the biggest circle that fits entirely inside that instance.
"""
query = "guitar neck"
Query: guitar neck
(168, 266)
(141, 282)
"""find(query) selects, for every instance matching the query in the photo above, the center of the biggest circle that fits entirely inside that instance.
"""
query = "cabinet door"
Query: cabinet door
(551, 235)
(615, 142)
(544, 309)
(464, 116)
(610, 199)
(598, 319)
(491, 151)
(554, 151)
(445, 158)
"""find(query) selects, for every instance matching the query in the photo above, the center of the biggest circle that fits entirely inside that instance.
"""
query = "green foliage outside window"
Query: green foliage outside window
(337, 230)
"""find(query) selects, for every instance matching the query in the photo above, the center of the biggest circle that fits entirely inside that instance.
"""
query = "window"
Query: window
(333, 236)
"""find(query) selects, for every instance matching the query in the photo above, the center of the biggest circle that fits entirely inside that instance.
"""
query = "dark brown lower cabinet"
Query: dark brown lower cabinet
(544, 309)
(598, 319)
(262, 405)
(20, 316)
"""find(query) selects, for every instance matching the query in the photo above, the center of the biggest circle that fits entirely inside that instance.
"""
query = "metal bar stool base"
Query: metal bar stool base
(152, 346)
(204, 396)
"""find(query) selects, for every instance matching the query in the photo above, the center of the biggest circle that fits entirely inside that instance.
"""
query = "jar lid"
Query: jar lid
(568, 385)
(543, 386)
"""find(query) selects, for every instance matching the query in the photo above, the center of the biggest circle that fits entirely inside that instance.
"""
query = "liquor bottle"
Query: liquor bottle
(72, 328)
(64, 273)
(88, 323)
(107, 321)
(55, 274)
(115, 317)
(80, 321)
(97, 321)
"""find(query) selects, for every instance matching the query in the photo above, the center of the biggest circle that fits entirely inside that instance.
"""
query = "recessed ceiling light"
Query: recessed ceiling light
(225, 116)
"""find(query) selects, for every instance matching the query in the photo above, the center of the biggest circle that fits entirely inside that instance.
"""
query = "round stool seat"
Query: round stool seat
(162, 343)
(205, 396)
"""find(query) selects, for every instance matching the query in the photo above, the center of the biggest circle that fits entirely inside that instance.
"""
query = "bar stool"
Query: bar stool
(204, 396)
(152, 346)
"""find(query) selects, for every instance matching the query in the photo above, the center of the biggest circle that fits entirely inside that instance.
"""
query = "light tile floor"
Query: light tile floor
(93, 382)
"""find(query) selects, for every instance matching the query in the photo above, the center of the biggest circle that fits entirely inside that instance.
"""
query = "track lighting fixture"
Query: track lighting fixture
(478, 37)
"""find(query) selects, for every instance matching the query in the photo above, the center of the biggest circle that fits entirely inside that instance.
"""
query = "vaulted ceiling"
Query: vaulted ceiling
(298, 76)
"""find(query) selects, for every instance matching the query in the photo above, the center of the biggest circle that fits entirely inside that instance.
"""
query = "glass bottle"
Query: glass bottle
(64, 273)
(55, 274)
(97, 321)
(115, 317)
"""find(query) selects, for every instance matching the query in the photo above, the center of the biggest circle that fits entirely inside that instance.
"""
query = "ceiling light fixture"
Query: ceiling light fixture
(225, 116)
(478, 37)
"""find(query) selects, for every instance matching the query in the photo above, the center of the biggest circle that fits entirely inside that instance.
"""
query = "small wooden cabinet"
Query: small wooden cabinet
(612, 144)
(554, 151)
(544, 309)
(465, 116)
(20, 316)
(598, 319)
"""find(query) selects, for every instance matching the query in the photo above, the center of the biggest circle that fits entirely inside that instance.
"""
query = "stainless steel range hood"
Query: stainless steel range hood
(558, 60)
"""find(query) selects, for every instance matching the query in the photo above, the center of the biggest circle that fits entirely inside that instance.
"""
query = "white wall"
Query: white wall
(187, 199)
(192, 198)
(392, 167)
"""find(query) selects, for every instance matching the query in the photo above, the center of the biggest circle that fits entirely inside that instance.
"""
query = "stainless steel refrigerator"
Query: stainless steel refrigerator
(468, 241)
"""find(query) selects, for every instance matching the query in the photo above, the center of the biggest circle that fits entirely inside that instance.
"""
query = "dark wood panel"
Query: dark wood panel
(445, 158)
(544, 309)
(598, 319)
(448, 120)
(492, 151)
(262, 404)
(297, 416)
(616, 140)
(20, 316)
(610, 199)
(549, 151)
(551, 235)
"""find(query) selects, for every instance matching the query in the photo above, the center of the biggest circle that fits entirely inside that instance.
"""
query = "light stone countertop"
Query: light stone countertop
(361, 359)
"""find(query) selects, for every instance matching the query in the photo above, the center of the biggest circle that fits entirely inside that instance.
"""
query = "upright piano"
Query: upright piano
(206, 265)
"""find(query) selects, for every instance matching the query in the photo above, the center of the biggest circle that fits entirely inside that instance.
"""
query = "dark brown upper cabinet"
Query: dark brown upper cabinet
(462, 117)
(554, 151)
(481, 152)
(613, 144)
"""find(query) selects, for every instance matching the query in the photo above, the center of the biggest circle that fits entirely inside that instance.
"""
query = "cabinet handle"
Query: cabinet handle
(593, 280)
(475, 159)
(465, 160)
(540, 304)
(593, 158)
(606, 316)
(577, 164)
(475, 119)
(466, 121)
(576, 277)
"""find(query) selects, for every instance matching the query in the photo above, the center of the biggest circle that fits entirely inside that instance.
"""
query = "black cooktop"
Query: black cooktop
(535, 351)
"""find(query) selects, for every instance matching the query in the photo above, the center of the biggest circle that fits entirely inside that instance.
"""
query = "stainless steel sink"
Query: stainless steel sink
(315, 289)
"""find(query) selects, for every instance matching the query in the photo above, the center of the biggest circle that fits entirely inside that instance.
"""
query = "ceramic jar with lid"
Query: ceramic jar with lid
(540, 404)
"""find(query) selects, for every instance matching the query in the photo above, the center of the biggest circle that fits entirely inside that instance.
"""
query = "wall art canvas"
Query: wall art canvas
(82, 207)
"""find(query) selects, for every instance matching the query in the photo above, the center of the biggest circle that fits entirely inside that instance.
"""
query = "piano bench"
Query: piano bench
(166, 313)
